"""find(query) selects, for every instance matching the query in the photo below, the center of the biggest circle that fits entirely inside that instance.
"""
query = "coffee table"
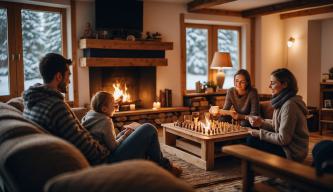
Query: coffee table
(195, 148)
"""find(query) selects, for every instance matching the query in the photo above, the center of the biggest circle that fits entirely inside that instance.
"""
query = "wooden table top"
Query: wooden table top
(226, 136)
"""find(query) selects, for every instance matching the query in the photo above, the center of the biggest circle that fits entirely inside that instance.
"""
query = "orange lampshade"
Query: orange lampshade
(221, 60)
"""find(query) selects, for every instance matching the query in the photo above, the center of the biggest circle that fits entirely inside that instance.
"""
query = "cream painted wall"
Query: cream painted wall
(314, 60)
(270, 41)
(85, 12)
(164, 18)
(327, 45)
(298, 55)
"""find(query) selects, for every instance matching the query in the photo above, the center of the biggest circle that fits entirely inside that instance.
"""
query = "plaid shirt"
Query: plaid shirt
(47, 108)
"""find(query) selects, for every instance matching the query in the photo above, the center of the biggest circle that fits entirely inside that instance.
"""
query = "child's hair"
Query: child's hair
(100, 99)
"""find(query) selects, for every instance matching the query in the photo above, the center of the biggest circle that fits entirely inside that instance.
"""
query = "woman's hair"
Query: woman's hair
(247, 78)
(283, 75)
(100, 99)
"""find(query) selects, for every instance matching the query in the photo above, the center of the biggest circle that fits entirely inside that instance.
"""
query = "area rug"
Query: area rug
(226, 175)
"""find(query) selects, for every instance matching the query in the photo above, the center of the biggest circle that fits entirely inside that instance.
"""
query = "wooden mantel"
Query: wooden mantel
(121, 62)
(130, 61)
(124, 45)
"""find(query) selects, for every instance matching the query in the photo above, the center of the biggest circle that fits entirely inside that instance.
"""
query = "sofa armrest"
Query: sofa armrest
(27, 162)
(133, 175)
(300, 175)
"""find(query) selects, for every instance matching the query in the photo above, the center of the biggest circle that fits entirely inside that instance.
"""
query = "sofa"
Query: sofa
(31, 159)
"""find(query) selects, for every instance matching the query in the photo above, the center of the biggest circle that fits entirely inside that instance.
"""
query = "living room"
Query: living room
(262, 40)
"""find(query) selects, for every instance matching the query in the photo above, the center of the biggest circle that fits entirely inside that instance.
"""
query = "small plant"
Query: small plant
(210, 84)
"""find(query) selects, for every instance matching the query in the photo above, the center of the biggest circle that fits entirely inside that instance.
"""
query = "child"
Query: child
(139, 144)
(99, 123)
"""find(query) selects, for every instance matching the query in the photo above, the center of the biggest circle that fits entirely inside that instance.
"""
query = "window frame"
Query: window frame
(15, 47)
(212, 48)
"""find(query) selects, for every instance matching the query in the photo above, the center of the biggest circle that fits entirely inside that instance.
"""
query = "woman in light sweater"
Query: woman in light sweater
(286, 134)
(243, 98)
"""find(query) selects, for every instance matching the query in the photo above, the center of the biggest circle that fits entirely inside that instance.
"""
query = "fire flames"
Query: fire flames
(120, 94)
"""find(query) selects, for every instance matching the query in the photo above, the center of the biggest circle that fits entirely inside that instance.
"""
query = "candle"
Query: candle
(132, 107)
(154, 106)
(158, 105)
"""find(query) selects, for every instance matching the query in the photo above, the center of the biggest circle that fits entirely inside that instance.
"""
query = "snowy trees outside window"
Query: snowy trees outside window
(41, 34)
(4, 79)
(228, 41)
(35, 31)
(196, 56)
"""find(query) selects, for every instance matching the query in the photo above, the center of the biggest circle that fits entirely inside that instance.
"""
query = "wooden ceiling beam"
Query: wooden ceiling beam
(285, 6)
(307, 12)
(218, 12)
(202, 4)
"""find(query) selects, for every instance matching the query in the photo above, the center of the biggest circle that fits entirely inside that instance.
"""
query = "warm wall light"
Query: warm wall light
(291, 42)
(221, 60)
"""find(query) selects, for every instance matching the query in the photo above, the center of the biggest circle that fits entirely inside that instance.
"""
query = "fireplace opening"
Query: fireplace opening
(131, 86)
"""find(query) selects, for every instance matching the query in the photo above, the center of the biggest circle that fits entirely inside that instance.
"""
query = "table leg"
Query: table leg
(208, 153)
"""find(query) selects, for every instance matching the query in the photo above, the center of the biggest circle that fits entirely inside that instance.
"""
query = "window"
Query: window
(201, 43)
(27, 33)
(196, 56)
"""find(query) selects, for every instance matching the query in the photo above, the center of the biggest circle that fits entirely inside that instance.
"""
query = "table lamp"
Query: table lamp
(221, 60)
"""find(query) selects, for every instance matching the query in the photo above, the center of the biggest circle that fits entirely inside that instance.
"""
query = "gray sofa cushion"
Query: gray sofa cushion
(27, 162)
(16, 102)
(134, 175)
(13, 124)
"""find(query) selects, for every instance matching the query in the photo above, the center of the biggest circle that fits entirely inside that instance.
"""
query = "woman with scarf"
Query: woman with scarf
(286, 134)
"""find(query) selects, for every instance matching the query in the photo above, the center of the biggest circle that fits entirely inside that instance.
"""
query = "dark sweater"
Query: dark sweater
(47, 108)
(247, 104)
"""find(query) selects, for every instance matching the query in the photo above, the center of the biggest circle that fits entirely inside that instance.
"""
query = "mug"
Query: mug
(214, 110)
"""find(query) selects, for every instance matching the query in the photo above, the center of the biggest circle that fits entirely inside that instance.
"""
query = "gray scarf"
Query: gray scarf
(283, 96)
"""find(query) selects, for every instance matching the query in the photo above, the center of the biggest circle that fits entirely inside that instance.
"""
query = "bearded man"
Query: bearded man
(45, 105)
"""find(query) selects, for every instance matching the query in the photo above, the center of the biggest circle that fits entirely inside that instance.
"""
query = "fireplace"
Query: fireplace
(138, 83)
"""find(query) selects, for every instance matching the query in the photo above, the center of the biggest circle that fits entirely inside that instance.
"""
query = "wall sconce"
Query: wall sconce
(291, 42)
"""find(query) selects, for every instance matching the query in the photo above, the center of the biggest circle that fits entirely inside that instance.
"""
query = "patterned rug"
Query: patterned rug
(226, 175)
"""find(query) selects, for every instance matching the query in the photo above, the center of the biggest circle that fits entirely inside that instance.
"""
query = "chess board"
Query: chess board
(211, 127)
(200, 151)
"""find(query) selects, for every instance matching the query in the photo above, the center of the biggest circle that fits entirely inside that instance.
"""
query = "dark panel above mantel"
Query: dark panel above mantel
(122, 53)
